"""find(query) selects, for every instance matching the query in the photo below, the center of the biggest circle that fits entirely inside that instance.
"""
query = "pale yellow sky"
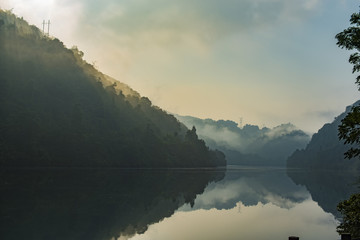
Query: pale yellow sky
(265, 61)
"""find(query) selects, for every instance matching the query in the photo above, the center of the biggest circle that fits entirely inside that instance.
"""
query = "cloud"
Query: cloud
(326, 114)
(163, 21)
(311, 4)
(280, 131)
(222, 136)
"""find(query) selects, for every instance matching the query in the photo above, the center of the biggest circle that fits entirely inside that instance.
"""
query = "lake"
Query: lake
(233, 203)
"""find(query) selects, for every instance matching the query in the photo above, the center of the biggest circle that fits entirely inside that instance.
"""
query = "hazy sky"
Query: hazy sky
(265, 61)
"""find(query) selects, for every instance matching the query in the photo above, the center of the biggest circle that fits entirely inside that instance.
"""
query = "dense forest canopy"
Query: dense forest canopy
(58, 110)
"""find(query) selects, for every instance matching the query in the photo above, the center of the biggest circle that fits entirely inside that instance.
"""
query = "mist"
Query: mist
(271, 145)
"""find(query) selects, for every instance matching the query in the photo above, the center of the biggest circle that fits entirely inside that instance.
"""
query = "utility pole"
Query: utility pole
(48, 27)
(43, 24)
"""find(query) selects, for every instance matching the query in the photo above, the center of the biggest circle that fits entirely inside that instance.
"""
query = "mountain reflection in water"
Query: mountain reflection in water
(256, 204)
(252, 203)
(93, 204)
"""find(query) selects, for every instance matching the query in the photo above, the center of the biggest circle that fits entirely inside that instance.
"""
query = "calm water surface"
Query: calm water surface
(239, 203)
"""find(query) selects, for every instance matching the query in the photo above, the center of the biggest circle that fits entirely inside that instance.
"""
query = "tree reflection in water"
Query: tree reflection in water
(93, 204)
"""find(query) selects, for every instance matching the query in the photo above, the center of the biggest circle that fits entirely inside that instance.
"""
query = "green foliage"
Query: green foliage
(350, 40)
(57, 110)
(350, 209)
(350, 125)
(349, 130)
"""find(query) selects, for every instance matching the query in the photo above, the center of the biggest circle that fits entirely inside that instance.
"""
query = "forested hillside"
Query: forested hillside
(325, 150)
(58, 110)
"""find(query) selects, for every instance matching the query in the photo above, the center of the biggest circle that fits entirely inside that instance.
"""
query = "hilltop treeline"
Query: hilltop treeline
(57, 110)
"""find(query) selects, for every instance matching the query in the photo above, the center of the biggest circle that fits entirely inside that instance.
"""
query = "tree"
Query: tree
(191, 135)
(351, 220)
(349, 129)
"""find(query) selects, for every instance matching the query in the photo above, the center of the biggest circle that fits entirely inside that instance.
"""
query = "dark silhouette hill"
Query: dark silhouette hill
(325, 150)
(58, 110)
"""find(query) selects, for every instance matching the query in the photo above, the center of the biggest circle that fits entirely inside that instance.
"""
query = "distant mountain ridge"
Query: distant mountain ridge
(325, 150)
(58, 110)
(249, 145)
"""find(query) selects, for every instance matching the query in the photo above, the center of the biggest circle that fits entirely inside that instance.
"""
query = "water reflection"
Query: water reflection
(93, 204)
(327, 187)
(256, 203)
(257, 222)
(250, 187)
